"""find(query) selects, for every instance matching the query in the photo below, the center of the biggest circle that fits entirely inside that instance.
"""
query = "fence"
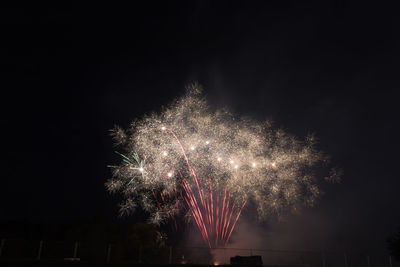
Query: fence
(95, 252)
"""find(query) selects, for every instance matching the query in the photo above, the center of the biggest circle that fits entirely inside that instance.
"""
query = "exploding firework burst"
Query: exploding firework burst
(189, 160)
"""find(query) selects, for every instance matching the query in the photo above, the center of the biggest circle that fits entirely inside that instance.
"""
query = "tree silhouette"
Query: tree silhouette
(394, 245)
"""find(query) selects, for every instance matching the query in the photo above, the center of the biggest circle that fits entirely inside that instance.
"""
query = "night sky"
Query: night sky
(70, 73)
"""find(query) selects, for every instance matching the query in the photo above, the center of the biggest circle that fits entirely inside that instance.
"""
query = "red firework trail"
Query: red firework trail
(201, 205)
(237, 217)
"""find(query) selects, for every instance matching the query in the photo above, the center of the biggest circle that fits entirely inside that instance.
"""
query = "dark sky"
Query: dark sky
(70, 73)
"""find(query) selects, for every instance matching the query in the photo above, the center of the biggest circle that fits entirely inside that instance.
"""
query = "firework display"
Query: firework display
(208, 165)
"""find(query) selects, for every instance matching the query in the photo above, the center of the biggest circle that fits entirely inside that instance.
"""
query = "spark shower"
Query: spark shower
(207, 165)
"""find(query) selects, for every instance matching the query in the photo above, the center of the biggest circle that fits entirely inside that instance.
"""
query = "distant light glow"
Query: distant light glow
(165, 153)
